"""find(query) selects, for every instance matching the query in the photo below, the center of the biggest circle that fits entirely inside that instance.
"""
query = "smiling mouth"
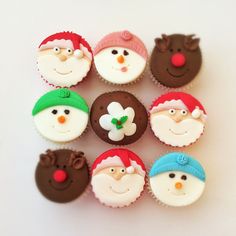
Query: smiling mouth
(176, 76)
(175, 133)
(176, 194)
(122, 69)
(63, 73)
(62, 132)
(60, 189)
(119, 192)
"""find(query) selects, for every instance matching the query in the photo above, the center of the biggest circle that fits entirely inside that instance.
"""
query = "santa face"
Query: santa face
(176, 127)
(61, 123)
(119, 65)
(63, 67)
(116, 188)
(176, 188)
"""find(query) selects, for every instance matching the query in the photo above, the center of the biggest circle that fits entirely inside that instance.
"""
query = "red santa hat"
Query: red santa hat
(119, 157)
(179, 100)
(67, 40)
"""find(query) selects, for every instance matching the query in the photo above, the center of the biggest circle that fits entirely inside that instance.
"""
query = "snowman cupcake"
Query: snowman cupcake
(64, 59)
(118, 177)
(177, 119)
(62, 175)
(61, 115)
(177, 179)
(120, 57)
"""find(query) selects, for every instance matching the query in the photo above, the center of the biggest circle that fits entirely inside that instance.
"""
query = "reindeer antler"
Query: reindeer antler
(191, 43)
(163, 43)
(76, 160)
(47, 159)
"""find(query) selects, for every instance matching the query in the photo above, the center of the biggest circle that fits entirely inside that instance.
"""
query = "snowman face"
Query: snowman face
(114, 187)
(176, 188)
(119, 65)
(176, 127)
(61, 123)
(63, 67)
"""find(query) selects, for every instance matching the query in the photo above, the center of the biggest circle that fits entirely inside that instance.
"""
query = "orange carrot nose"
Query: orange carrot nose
(61, 119)
(178, 185)
(120, 59)
(62, 57)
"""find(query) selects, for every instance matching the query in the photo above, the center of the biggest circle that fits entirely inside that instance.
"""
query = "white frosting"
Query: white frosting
(115, 110)
(63, 73)
(163, 188)
(177, 134)
(48, 126)
(117, 193)
(111, 70)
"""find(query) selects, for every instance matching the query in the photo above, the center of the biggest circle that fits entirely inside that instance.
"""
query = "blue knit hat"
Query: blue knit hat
(177, 161)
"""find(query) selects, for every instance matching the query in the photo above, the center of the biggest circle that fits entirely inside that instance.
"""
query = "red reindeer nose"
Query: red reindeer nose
(59, 176)
(178, 60)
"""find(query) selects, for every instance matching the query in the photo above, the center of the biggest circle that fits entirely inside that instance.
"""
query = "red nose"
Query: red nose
(178, 60)
(59, 176)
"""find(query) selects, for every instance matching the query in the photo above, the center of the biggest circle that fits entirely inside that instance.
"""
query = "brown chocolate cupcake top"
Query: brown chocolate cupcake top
(118, 118)
(175, 60)
(62, 175)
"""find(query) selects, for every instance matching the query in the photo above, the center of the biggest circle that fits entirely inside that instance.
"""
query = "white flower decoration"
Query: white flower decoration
(119, 121)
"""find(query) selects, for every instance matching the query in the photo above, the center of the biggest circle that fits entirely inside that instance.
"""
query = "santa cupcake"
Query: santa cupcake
(120, 57)
(118, 177)
(64, 59)
(177, 119)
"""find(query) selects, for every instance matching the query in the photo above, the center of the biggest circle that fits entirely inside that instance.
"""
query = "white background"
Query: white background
(24, 24)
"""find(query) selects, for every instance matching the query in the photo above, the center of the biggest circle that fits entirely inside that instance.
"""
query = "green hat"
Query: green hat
(60, 97)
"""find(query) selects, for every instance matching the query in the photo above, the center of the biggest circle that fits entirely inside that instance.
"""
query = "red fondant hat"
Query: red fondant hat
(119, 157)
(178, 100)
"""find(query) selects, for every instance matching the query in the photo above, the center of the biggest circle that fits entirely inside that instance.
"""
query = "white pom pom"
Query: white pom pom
(196, 113)
(130, 170)
(78, 53)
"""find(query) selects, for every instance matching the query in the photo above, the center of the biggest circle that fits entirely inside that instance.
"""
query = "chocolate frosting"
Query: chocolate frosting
(71, 164)
(178, 74)
(126, 99)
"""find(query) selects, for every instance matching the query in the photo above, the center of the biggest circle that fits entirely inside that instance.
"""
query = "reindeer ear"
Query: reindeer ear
(163, 43)
(191, 43)
(48, 159)
(76, 160)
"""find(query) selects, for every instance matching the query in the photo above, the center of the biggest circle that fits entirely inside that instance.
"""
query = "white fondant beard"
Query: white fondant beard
(63, 74)
(117, 193)
(163, 188)
(49, 127)
(176, 134)
(108, 67)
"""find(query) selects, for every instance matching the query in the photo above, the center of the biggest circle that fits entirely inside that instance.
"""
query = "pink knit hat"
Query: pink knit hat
(122, 39)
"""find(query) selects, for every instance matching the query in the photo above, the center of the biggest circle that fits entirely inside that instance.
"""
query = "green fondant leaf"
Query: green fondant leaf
(119, 126)
(123, 119)
(114, 121)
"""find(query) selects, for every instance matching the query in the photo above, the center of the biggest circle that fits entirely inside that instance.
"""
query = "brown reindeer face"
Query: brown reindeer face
(62, 175)
(175, 60)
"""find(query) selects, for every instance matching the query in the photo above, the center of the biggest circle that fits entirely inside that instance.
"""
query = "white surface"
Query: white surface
(23, 211)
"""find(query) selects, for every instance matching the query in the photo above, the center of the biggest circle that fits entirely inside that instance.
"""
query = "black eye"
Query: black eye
(172, 175)
(54, 111)
(64, 166)
(67, 112)
(114, 51)
(125, 53)
(179, 50)
(183, 177)
(171, 50)
(57, 166)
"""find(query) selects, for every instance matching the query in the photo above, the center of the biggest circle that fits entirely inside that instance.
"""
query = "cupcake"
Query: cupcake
(118, 118)
(64, 59)
(118, 177)
(175, 60)
(177, 119)
(61, 115)
(120, 58)
(177, 179)
(62, 175)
